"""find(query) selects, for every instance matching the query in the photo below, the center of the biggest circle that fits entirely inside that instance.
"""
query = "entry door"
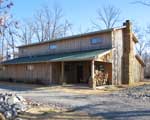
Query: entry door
(79, 73)
(70, 73)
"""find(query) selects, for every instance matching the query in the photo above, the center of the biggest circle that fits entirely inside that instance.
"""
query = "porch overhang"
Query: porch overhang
(74, 56)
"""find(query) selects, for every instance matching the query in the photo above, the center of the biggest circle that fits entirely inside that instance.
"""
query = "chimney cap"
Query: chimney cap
(127, 22)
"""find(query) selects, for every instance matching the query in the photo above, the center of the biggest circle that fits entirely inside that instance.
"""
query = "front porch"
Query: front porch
(85, 72)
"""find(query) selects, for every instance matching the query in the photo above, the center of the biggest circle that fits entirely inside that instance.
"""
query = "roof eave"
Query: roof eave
(134, 38)
(140, 60)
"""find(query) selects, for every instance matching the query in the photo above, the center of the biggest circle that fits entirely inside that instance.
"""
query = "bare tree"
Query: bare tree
(50, 24)
(142, 44)
(143, 2)
(5, 6)
(108, 16)
(26, 33)
(11, 35)
(146, 58)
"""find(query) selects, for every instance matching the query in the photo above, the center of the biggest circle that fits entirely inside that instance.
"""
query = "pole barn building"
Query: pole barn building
(79, 59)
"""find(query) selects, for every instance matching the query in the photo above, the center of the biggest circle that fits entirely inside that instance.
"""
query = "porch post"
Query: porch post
(93, 82)
(62, 73)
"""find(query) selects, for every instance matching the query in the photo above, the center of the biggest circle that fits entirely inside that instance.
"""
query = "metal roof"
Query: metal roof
(75, 56)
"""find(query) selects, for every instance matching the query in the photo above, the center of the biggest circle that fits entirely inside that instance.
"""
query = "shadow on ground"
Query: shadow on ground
(124, 115)
(57, 116)
(116, 114)
(12, 86)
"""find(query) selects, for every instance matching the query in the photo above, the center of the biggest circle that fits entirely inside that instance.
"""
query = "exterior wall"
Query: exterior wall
(138, 72)
(71, 45)
(41, 73)
(131, 68)
(125, 67)
(117, 53)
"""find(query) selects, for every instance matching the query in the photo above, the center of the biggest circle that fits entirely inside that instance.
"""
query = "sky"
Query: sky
(81, 12)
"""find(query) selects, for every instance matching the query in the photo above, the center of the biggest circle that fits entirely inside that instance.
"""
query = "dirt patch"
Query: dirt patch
(84, 90)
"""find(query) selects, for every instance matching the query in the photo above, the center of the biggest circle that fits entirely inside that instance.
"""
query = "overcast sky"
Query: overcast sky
(81, 12)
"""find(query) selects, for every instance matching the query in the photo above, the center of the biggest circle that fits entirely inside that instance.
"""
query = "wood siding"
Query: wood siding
(41, 73)
(117, 52)
(76, 44)
(44, 73)
(138, 72)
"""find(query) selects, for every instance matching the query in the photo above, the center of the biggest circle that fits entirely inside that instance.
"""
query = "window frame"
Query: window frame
(52, 46)
(30, 67)
(96, 40)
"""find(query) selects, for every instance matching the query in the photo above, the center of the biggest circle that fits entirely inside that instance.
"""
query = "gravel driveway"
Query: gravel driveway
(129, 104)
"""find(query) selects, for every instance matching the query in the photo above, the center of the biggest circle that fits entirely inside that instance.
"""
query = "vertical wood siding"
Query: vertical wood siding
(138, 71)
(117, 44)
(41, 73)
(76, 44)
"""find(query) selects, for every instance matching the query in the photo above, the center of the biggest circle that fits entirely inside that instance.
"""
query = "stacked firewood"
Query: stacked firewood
(101, 78)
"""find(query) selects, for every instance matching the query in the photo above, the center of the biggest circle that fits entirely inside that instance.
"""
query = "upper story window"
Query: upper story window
(53, 46)
(96, 40)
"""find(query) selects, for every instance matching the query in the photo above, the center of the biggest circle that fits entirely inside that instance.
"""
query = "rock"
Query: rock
(20, 98)
(8, 114)
(11, 105)
(140, 93)
(19, 107)
(12, 100)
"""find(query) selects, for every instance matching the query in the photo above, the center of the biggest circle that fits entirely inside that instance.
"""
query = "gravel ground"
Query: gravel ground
(130, 104)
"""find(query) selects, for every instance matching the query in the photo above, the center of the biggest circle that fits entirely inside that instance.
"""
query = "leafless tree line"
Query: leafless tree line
(46, 24)
(5, 23)
(143, 47)
(107, 17)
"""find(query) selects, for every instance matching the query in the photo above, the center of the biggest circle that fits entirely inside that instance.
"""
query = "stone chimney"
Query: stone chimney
(127, 71)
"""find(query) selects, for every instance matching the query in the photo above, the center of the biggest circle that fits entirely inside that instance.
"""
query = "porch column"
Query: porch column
(93, 82)
(62, 73)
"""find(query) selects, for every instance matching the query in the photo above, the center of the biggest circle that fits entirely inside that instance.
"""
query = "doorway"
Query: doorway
(80, 73)
(76, 72)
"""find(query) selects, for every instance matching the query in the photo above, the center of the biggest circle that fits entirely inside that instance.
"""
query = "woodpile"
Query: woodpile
(101, 78)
